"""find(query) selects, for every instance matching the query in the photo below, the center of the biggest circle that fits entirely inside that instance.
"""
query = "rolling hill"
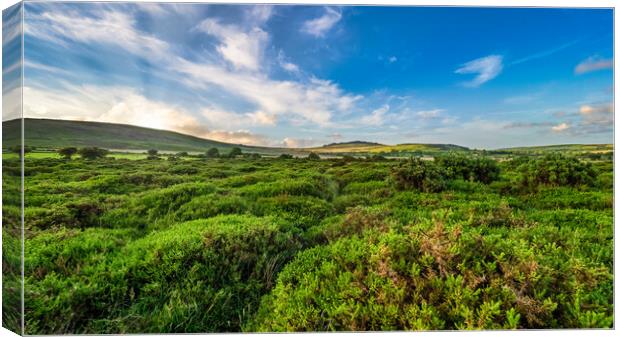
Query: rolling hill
(368, 147)
(595, 148)
(53, 133)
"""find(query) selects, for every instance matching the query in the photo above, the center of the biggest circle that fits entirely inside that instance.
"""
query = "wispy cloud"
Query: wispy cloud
(109, 27)
(300, 142)
(429, 114)
(377, 116)
(544, 53)
(593, 64)
(286, 65)
(562, 127)
(243, 49)
(486, 68)
(320, 26)
(308, 100)
(517, 125)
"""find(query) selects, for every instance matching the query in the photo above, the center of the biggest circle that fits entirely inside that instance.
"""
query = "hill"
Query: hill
(53, 133)
(373, 148)
(565, 148)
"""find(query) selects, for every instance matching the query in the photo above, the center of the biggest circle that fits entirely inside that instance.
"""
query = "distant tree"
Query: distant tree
(235, 151)
(152, 152)
(91, 153)
(18, 150)
(182, 154)
(67, 152)
(313, 156)
(213, 153)
(286, 156)
(255, 156)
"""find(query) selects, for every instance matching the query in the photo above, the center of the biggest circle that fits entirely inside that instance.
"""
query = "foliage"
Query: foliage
(313, 156)
(471, 168)
(213, 152)
(556, 170)
(235, 151)
(419, 174)
(267, 244)
(67, 152)
(91, 153)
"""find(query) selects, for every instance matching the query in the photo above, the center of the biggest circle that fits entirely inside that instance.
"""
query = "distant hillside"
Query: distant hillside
(368, 147)
(53, 133)
(562, 148)
(355, 143)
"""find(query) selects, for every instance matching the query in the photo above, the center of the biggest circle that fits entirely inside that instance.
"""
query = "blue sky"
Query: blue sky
(308, 75)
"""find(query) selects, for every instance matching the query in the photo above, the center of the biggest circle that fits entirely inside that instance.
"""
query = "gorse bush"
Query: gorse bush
(419, 174)
(212, 273)
(433, 278)
(556, 170)
(471, 168)
(92, 153)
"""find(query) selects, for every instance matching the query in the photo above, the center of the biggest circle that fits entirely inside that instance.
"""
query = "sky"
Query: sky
(300, 76)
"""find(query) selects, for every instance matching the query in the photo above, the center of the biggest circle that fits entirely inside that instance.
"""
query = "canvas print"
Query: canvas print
(195, 168)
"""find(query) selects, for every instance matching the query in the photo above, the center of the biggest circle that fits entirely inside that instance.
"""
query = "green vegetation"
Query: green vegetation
(67, 152)
(92, 153)
(248, 243)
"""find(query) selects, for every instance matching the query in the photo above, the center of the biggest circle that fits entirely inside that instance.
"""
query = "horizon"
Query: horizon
(320, 145)
(304, 76)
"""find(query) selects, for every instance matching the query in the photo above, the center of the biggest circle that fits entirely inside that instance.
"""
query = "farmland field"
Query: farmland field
(127, 245)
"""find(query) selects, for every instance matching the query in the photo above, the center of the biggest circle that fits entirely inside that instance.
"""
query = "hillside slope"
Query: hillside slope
(52, 133)
(367, 147)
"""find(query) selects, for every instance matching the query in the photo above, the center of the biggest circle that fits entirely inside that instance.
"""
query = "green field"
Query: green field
(128, 245)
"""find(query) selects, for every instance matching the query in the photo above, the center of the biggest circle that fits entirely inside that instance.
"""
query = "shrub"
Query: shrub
(92, 153)
(213, 153)
(212, 273)
(67, 152)
(235, 151)
(418, 174)
(469, 168)
(434, 277)
(285, 156)
(556, 170)
(313, 156)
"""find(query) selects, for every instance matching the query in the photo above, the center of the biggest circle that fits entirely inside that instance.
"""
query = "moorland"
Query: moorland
(354, 236)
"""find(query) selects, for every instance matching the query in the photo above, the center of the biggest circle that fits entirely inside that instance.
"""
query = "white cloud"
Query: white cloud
(243, 49)
(240, 137)
(377, 116)
(601, 114)
(593, 64)
(12, 25)
(487, 68)
(299, 143)
(286, 65)
(115, 28)
(126, 106)
(320, 26)
(310, 100)
(257, 15)
(393, 59)
(429, 114)
(314, 101)
(12, 104)
(560, 127)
